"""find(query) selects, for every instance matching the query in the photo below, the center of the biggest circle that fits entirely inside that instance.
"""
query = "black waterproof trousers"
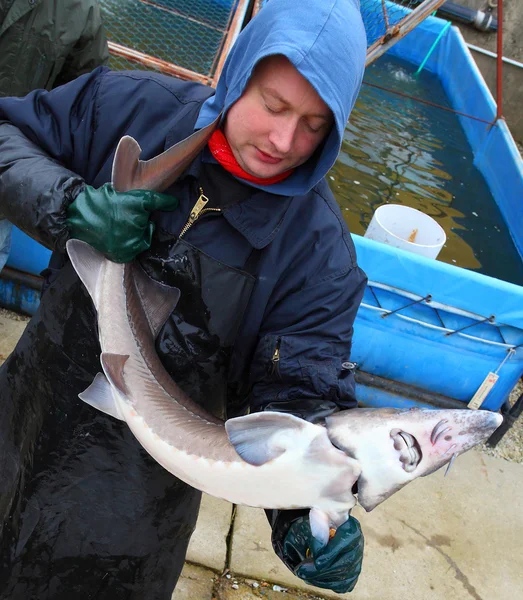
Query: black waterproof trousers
(87, 514)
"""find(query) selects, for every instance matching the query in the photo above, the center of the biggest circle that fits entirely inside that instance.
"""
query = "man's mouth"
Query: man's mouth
(267, 158)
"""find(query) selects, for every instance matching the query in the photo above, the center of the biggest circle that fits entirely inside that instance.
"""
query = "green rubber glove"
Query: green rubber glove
(336, 566)
(116, 223)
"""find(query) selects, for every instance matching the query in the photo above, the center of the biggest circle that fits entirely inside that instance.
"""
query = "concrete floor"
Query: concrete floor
(458, 538)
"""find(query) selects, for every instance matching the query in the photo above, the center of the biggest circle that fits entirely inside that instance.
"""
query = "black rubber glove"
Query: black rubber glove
(336, 566)
(116, 223)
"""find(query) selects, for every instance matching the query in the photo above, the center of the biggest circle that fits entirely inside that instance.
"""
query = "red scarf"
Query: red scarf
(220, 149)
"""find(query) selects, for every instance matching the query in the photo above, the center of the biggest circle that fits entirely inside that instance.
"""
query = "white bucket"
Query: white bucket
(406, 228)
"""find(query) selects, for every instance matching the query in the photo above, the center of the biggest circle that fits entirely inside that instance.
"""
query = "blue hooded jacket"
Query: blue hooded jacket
(309, 285)
(325, 40)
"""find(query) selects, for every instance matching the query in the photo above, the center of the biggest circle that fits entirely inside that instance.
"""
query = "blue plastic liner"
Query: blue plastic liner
(444, 346)
(27, 255)
(412, 346)
(416, 345)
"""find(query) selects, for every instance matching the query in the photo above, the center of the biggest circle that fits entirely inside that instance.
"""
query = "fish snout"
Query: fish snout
(455, 436)
(408, 448)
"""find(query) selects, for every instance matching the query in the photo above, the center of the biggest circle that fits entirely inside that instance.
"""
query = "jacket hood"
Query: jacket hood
(325, 41)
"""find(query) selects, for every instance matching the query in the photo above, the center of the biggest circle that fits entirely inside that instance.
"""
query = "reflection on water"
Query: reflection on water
(399, 151)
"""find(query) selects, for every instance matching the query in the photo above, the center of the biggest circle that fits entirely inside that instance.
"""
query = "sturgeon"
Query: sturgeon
(266, 460)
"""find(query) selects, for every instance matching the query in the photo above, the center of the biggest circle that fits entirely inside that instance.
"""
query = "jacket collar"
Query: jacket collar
(260, 217)
(17, 10)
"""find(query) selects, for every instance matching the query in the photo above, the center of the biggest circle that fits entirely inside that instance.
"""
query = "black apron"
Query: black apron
(87, 513)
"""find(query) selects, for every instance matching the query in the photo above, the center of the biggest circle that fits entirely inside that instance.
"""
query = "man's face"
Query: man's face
(278, 122)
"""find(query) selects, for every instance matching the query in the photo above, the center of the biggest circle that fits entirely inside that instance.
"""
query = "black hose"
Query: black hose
(510, 416)
(408, 392)
(484, 21)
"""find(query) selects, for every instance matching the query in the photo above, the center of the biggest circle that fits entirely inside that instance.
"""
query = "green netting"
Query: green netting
(380, 16)
(191, 33)
(188, 33)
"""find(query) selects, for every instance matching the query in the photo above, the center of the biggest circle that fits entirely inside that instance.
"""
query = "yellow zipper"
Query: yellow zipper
(275, 369)
(197, 211)
(276, 355)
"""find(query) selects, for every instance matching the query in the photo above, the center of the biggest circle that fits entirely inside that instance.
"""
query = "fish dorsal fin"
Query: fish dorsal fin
(261, 437)
(157, 299)
(113, 365)
(88, 263)
(158, 173)
(100, 396)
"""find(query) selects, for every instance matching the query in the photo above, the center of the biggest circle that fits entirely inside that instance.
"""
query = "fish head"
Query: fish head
(396, 446)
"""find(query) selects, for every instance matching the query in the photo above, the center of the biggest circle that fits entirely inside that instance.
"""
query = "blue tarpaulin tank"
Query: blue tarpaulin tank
(436, 327)
(469, 324)
(427, 332)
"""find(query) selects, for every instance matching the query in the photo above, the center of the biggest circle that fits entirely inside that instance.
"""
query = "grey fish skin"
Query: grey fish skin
(396, 446)
(267, 460)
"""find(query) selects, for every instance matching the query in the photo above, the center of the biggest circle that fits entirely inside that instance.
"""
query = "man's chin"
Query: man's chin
(264, 172)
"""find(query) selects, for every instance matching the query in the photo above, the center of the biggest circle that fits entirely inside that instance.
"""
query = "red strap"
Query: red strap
(221, 150)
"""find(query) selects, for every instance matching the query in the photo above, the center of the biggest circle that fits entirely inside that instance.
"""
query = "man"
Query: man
(251, 235)
(42, 45)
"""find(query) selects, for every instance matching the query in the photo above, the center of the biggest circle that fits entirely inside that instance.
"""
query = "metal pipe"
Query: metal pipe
(481, 20)
(233, 31)
(28, 280)
(499, 82)
(509, 61)
(400, 30)
(408, 392)
(510, 416)
(156, 63)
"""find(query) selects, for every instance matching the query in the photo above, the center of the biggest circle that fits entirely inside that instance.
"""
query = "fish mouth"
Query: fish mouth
(408, 447)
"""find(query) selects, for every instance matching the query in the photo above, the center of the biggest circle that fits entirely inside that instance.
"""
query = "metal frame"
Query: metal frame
(437, 306)
(234, 26)
(400, 30)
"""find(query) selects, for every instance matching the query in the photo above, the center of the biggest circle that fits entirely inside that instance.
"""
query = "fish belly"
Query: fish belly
(286, 482)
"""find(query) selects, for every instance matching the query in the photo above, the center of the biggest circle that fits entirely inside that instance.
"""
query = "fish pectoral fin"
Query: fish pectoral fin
(87, 262)
(320, 528)
(260, 437)
(158, 173)
(113, 365)
(158, 300)
(100, 396)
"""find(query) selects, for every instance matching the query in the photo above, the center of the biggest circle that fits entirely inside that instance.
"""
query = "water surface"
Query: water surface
(400, 151)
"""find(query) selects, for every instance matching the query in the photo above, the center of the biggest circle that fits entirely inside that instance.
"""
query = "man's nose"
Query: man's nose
(282, 136)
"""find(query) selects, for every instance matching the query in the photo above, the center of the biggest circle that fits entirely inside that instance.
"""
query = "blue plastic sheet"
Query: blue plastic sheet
(411, 346)
(448, 284)
(27, 255)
